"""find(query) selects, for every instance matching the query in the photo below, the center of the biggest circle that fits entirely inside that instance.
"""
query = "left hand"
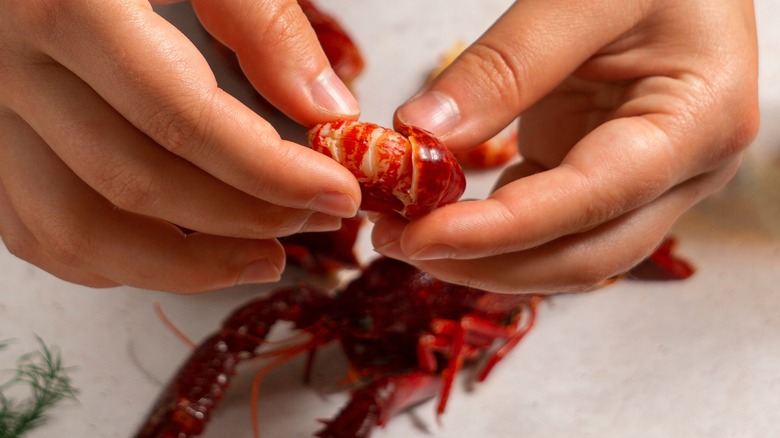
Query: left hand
(632, 112)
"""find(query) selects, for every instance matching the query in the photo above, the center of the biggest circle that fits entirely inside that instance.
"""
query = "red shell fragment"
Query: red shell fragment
(662, 264)
(495, 152)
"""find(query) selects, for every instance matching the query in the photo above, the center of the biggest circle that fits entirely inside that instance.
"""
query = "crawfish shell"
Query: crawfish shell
(409, 172)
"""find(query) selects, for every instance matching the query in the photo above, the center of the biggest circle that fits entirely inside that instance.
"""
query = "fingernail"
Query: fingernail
(392, 250)
(435, 251)
(318, 222)
(259, 271)
(334, 204)
(433, 111)
(331, 95)
(386, 237)
(374, 216)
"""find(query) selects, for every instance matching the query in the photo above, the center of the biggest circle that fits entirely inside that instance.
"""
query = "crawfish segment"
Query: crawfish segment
(409, 172)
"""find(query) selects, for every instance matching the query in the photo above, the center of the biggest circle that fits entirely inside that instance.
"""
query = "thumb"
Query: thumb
(531, 49)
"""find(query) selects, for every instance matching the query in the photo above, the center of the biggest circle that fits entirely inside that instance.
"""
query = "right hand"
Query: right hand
(114, 135)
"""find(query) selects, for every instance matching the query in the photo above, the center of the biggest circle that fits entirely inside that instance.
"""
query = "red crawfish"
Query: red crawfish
(494, 152)
(405, 334)
(409, 172)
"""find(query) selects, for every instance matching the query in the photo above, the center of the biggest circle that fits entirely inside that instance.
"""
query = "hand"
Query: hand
(632, 111)
(114, 137)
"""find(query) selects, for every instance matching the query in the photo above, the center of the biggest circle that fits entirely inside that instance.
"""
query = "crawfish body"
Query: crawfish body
(404, 333)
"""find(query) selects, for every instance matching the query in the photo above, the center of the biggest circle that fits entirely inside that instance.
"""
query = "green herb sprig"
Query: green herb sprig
(49, 383)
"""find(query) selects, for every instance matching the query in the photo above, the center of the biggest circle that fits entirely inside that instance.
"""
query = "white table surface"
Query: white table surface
(699, 358)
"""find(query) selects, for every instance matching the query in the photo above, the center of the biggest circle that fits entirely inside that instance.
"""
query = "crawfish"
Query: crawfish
(405, 334)
(324, 253)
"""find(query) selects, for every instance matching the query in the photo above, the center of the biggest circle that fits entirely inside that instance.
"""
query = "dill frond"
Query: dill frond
(48, 381)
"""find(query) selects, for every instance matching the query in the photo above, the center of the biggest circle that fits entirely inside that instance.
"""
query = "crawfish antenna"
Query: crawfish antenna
(172, 327)
(285, 356)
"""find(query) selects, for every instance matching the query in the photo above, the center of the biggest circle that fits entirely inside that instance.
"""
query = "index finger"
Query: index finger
(150, 72)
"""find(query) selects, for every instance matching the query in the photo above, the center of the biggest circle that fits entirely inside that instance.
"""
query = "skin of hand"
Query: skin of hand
(114, 138)
(631, 112)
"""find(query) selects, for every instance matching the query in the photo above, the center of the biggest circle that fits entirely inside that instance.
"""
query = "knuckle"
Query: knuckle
(42, 21)
(180, 128)
(129, 191)
(501, 67)
(736, 104)
(34, 14)
(65, 243)
(591, 274)
(745, 129)
(598, 206)
(283, 20)
(284, 157)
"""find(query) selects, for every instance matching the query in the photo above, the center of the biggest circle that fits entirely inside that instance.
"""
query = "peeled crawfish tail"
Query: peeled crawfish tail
(408, 171)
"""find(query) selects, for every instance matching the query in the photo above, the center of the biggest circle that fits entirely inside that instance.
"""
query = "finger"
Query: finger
(621, 165)
(575, 262)
(147, 70)
(80, 229)
(299, 81)
(523, 56)
(21, 243)
(134, 173)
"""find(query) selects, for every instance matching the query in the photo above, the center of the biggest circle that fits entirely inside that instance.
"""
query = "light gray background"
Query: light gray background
(700, 358)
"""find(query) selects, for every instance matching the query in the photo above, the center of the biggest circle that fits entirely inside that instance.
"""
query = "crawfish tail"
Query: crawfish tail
(409, 172)
(185, 406)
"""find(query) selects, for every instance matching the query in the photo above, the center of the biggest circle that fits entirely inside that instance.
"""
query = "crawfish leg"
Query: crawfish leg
(463, 340)
(663, 264)
(374, 404)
